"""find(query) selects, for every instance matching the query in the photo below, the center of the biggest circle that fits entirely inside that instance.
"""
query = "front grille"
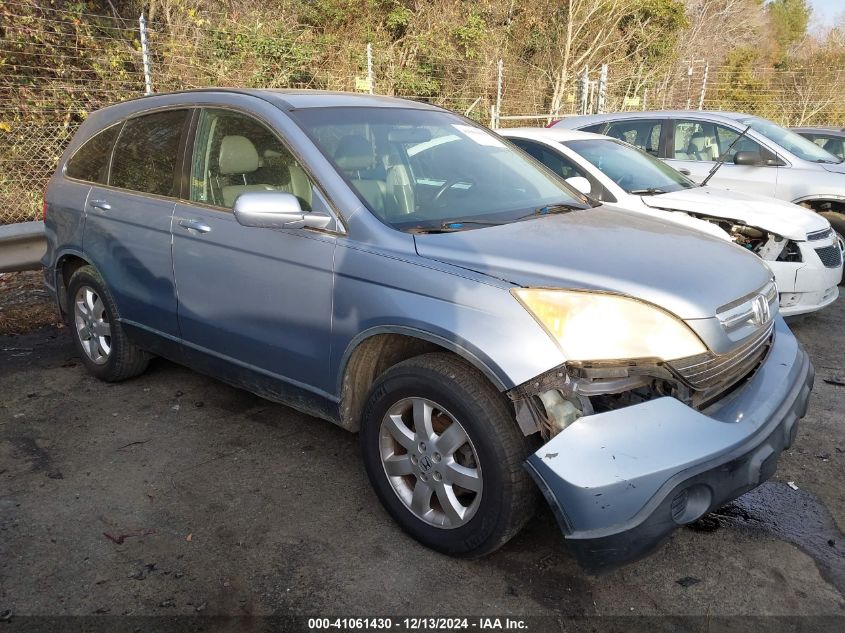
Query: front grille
(714, 373)
(819, 235)
(831, 256)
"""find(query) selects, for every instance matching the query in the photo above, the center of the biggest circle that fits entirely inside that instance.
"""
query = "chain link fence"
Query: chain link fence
(56, 65)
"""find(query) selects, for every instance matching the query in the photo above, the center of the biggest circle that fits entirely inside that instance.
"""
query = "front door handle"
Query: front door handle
(100, 204)
(195, 225)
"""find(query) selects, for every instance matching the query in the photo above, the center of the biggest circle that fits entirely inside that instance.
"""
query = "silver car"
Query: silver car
(769, 160)
(406, 274)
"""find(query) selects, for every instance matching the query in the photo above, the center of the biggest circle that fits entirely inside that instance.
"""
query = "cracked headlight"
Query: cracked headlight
(590, 326)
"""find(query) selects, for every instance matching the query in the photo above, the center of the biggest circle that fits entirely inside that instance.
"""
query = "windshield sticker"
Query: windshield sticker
(479, 136)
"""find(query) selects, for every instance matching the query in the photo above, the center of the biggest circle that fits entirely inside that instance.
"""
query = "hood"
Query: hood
(836, 168)
(684, 271)
(776, 216)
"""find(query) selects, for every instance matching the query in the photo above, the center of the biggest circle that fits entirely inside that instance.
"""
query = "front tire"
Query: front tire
(444, 455)
(97, 333)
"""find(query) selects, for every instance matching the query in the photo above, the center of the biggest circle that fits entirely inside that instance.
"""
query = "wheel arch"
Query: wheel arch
(67, 264)
(822, 202)
(374, 351)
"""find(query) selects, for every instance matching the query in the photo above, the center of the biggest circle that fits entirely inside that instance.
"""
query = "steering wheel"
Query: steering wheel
(449, 184)
(623, 180)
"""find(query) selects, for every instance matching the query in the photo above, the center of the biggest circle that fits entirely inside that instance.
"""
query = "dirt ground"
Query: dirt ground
(175, 494)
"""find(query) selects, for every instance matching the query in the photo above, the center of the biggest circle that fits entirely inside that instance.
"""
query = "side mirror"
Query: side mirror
(275, 210)
(581, 184)
(748, 158)
(685, 171)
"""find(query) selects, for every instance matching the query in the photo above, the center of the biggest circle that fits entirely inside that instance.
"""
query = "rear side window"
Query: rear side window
(595, 129)
(641, 133)
(146, 152)
(91, 161)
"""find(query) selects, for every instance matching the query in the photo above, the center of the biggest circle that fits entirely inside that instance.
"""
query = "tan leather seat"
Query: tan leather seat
(238, 158)
(355, 157)
(702, 147)
(400, 193)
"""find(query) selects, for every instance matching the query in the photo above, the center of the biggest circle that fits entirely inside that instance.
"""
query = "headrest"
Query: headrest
(354, 153)
(698, 141)
(237, 156)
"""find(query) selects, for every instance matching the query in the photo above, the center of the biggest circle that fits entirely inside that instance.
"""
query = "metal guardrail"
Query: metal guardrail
(22, 246)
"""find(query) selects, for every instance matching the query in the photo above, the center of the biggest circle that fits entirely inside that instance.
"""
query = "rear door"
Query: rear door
(127, 229)
(67, 193)
(697, 145)
(251, 299)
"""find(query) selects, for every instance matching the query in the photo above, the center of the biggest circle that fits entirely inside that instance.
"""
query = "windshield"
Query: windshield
(633, 170)
(791, 142)
(418, 169)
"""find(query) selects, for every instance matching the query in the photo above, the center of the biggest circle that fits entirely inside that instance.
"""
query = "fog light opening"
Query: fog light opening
(691, 503)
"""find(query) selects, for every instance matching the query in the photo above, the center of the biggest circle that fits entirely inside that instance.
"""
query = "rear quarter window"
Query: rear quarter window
(91, 160)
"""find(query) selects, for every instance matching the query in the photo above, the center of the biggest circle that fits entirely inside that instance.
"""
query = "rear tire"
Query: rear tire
(435, 422)
(97, 333)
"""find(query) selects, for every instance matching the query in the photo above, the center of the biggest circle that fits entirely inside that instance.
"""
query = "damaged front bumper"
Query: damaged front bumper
(620, 482)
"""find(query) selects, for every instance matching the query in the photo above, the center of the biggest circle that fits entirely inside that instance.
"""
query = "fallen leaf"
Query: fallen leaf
(190, 537)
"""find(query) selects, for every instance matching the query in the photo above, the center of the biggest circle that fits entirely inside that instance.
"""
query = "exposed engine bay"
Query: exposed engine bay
(766, 245)
(553, 401)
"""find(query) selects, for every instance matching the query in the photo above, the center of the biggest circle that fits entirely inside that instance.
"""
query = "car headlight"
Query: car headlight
(590, 326)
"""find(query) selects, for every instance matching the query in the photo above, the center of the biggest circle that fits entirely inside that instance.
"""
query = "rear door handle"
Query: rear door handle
(195, 225)
(100, 204)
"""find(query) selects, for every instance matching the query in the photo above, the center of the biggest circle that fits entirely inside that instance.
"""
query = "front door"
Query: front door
(252, 301)
(698, 144)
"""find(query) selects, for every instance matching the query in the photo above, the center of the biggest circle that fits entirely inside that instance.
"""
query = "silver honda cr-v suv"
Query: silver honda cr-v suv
(402, 272)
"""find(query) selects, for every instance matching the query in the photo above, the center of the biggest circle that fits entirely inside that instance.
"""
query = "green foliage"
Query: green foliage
(470, 35)
(657, 25)
(789, 19)
(740, 88)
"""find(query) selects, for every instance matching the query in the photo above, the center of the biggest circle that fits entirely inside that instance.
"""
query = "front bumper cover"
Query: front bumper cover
(620, 482)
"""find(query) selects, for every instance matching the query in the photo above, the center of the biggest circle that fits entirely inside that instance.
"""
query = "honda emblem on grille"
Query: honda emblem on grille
(760, 309)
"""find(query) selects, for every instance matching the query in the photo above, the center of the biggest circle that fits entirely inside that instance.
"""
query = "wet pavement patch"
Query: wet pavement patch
(794, 516)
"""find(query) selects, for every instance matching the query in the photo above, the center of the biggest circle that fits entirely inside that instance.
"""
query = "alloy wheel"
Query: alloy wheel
(92, 324)
(430, 462)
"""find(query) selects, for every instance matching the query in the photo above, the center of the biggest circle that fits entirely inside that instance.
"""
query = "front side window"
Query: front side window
(707, 141)
(234, 153)
(790, 141)
(418, 169)
(146, 152)
(560, 164)
(632, 169)
(91, 161)
(643, 134)
(833, 144)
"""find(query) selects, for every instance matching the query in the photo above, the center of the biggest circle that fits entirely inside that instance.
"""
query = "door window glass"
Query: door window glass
(832, 144)
(146, 153)
(561, 165)
(745, 144)
(641, 133)
(91, 161)
(234, 153)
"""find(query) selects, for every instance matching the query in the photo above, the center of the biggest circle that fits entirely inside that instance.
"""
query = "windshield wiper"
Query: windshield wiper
(550, 209)
(651, 191)
(723, 157)
(452, 226)
(828, 162)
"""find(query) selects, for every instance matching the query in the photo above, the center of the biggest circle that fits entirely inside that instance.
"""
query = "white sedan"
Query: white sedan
(798, 245)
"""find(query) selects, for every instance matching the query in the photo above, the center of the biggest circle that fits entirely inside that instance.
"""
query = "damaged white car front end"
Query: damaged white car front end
(797, 244)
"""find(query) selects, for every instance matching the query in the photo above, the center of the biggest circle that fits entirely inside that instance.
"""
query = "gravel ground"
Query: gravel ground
(175, 494)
